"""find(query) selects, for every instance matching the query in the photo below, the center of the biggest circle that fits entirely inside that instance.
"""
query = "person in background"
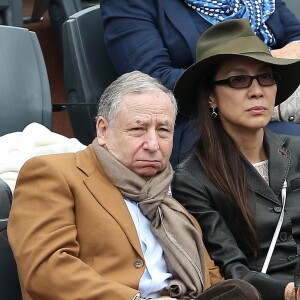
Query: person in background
(242, 179)
(101, 223)
(159, 38)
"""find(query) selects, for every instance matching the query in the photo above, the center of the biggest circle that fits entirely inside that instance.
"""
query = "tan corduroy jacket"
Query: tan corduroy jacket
(72, 234)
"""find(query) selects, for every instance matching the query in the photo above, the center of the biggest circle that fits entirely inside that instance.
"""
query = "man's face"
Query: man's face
(141, 136)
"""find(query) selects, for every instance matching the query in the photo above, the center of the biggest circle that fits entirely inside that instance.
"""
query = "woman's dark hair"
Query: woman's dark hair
(297, 276)
(221, 160)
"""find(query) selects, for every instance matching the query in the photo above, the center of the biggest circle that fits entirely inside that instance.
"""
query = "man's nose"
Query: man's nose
(151, 143)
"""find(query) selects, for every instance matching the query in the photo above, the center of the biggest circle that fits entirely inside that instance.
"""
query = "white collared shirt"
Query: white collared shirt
(156, 275)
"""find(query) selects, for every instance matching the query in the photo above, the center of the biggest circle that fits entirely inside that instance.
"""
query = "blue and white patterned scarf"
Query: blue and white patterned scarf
(256, 12)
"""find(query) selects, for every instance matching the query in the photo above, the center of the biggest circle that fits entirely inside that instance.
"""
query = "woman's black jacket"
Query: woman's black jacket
(221, 231)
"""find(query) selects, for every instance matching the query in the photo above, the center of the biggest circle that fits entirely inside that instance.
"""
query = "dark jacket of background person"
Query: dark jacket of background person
(224, 241)
(159, 37)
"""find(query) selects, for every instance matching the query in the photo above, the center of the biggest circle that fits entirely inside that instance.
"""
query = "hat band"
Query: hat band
(242, 45)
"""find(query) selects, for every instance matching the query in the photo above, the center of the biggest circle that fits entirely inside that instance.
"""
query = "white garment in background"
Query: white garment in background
(35, 140)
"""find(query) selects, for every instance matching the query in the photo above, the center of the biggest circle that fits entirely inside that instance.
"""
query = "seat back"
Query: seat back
(5, 201)
(9, 280)
(11, 13)
(87, 69)
(61, 10)
(24, 86)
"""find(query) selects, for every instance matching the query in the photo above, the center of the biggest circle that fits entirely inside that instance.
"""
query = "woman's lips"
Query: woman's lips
(257, 109)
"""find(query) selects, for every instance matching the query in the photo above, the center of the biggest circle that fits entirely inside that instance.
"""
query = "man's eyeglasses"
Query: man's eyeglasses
(244, 81)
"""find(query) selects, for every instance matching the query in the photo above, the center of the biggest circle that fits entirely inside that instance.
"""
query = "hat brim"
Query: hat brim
(185, 90)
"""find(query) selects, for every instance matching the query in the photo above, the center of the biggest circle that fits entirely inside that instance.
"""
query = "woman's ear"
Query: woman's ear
(212, 101)
(101, 130)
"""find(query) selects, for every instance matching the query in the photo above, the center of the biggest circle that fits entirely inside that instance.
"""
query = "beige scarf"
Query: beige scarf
(171, 224)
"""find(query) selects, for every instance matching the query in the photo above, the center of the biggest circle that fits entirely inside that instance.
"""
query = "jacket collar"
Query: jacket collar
(279, 165)
(175, 11)
(107, 195)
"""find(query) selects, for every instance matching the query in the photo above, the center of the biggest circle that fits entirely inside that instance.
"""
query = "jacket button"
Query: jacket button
(138, 263)
(291, 118)
(277, 209)
(291, 257)
(283, 236)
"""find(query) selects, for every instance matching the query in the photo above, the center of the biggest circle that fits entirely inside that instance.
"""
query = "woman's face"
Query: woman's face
(243, 109)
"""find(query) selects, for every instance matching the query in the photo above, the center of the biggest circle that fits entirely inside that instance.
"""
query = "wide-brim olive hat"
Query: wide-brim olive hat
(227, 38)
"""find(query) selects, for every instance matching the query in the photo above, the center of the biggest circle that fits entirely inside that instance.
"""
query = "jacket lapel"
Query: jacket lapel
(279, 162)
(175, 11)
(279, 158)
(106, 194)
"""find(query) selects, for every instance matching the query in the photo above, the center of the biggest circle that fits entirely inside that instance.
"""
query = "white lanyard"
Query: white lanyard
(277, 230)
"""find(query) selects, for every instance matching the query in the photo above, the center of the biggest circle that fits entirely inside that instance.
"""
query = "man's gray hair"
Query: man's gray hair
(134, 82)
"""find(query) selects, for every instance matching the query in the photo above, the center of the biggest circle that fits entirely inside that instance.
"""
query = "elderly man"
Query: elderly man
(101, 223)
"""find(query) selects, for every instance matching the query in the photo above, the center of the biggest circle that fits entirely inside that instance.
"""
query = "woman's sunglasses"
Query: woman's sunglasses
(244, 81)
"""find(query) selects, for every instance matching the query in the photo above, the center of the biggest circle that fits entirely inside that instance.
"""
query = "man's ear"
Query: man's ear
(101, 130)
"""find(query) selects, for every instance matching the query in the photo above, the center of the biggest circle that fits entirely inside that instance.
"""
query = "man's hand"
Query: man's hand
(291, 50)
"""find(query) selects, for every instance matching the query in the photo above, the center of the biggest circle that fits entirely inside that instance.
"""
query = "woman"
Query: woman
(159, 38)
(233, 183)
